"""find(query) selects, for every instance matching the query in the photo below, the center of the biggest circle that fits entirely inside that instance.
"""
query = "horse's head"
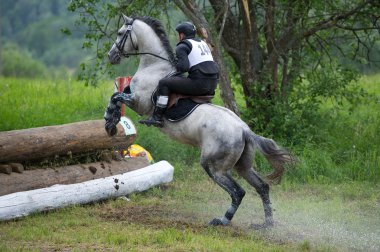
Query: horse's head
(125, 42)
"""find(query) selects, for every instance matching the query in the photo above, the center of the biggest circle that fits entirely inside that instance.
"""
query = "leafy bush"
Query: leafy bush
(298, 118)
(16, 62)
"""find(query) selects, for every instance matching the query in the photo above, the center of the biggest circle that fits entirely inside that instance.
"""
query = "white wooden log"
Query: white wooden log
(23, 203)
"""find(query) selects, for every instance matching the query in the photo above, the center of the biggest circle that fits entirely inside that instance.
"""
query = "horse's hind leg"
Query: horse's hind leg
(244, 169)
(224, 180)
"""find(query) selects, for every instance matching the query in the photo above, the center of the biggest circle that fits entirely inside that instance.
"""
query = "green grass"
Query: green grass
(29, 103)
(347, 145)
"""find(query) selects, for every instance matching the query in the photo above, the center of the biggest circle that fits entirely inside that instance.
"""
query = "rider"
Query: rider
(194, 56)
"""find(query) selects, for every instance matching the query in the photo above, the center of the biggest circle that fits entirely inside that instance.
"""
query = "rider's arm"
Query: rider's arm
(182, 52)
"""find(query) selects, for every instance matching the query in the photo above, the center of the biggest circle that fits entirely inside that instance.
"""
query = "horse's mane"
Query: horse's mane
(159, 29)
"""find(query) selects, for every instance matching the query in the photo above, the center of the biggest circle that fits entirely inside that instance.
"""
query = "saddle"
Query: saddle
(201, 99)
(181, 106)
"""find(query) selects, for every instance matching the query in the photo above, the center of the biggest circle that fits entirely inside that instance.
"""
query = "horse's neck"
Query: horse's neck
(151, 69)
(148, 42)
(148, 74)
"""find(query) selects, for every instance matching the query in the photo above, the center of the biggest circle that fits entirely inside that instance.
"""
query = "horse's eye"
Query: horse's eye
(119, 34)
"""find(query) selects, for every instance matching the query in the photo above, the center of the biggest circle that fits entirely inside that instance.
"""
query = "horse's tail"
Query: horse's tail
(276, 156)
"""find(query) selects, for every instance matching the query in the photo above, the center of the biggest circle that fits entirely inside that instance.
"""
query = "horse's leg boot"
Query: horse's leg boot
(156, 119)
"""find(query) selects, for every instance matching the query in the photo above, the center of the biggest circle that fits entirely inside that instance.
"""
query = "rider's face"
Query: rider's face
(181, 36)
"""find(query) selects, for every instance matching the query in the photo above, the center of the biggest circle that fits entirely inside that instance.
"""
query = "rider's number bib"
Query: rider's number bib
(200, 52)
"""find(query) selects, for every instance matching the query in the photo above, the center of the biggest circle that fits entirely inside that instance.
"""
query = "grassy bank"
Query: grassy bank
(328, 202)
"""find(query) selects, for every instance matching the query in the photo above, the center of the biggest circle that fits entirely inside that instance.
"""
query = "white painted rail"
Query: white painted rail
(23, 203)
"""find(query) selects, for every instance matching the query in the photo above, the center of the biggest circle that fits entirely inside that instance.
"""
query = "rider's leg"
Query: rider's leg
(157, 117)
(162, 102)
(163, 91)
(179, 85)
(187, 86)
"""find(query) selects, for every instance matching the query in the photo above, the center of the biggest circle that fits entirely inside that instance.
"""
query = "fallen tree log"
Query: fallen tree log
(39, 178)
(23, 203)
(79, 137)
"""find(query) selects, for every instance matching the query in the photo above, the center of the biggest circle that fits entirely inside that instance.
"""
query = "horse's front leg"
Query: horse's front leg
(126, 98)
(113, 111)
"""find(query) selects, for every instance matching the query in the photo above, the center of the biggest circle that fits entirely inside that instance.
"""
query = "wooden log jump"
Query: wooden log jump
(23, 203)
(40, 178)
(79, 137)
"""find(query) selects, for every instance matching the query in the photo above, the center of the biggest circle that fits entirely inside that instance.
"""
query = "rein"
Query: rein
(121, 44)
(144, 53)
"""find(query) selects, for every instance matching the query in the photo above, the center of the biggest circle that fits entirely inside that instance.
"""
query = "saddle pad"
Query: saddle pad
(179, 111)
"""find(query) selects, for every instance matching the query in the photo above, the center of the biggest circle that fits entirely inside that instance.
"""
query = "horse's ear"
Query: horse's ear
(127, 20)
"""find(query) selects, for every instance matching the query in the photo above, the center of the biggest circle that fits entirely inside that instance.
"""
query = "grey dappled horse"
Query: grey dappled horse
(226, 141)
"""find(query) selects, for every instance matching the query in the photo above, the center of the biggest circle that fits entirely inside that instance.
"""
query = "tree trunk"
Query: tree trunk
(39, 178)
(23, 203)
(37, 143)
(191, 10)
(226, 92)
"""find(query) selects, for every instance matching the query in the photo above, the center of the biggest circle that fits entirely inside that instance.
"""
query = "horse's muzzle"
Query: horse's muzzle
(114, 56)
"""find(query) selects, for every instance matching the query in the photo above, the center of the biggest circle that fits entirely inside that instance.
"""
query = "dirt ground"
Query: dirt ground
(303, 215)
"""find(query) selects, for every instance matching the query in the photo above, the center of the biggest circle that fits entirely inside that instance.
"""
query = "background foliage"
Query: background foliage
(35, 26)
(330, 119)
(329, 201)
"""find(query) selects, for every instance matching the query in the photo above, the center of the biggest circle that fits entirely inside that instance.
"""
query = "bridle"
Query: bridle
(121, 44)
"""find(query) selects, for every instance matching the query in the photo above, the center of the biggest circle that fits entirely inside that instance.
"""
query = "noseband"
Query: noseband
(121, 44)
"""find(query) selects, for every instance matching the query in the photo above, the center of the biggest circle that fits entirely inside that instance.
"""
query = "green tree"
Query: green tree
(35, 25)
(286, 55)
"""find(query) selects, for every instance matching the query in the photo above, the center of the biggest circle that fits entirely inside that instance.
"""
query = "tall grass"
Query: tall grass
(26, 103)
(346, 148)
(348, 144)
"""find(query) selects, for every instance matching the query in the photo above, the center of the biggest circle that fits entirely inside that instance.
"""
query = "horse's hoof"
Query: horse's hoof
(217, 222)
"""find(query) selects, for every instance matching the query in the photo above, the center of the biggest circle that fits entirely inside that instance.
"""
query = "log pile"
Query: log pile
(24, 192)
(35, 144)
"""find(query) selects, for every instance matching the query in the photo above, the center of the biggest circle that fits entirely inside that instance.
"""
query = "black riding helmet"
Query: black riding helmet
(186, 28)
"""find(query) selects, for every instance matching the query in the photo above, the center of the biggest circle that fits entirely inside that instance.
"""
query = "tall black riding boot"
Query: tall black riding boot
(156, 119)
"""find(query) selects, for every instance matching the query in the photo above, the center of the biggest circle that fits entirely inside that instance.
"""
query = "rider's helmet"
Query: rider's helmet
(186, 28)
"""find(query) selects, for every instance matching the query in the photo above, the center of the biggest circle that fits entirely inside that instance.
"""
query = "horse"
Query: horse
(226, 142)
